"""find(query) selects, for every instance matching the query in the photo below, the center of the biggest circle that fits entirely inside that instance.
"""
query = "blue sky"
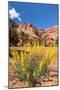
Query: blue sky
(40, 15)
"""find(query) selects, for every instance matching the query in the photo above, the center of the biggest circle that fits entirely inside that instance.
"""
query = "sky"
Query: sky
(39, 15)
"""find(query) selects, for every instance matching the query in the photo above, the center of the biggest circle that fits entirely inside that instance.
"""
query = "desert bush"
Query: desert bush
(34, 65)
(13, 35)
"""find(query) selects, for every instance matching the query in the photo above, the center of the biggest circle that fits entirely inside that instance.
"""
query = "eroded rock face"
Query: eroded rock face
(28, 32)
(49, 35)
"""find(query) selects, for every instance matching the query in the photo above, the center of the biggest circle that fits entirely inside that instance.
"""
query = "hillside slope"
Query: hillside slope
(20, 35)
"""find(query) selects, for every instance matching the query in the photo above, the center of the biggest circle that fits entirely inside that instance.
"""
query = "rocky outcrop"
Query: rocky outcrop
(27, 32)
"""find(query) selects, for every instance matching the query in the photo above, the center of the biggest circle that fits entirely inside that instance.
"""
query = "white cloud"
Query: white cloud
(19, 19)
(14, 14)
